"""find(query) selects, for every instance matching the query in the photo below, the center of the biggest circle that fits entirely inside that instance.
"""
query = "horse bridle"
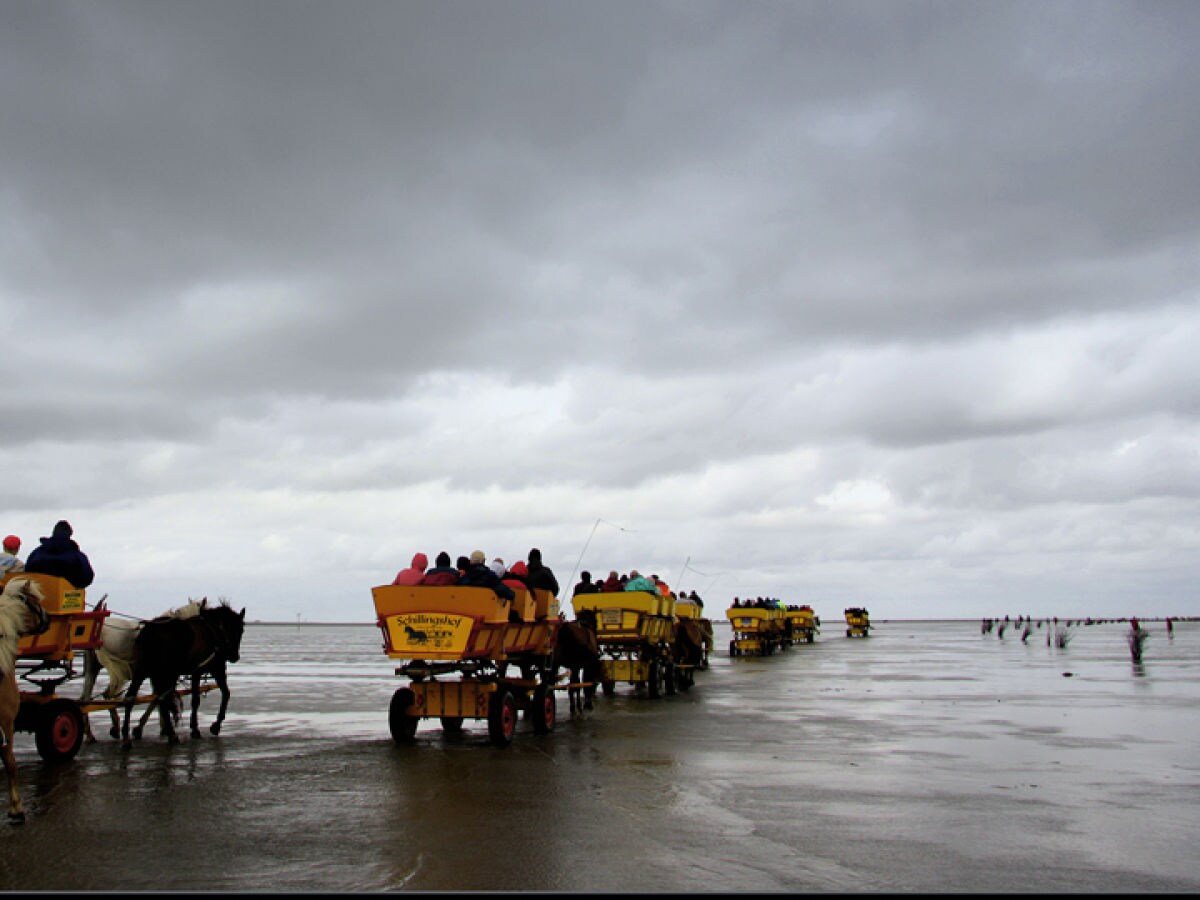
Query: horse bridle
(220, 640)
(38, 611)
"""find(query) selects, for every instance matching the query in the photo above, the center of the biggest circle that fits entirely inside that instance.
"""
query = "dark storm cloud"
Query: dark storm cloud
(858, 276)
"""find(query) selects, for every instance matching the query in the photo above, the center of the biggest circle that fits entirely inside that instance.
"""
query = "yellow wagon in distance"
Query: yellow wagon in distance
(460, 642)
(805, 626)
(858, 622)
(634, 630)
(756, 630)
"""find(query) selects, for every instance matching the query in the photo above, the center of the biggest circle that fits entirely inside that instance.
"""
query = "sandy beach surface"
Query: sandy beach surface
(928, 757)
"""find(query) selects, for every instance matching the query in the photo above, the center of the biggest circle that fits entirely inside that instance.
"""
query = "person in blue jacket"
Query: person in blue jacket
(60, 555)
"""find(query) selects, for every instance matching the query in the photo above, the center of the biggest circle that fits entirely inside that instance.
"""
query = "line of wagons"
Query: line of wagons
(761, 631)
(470, 655)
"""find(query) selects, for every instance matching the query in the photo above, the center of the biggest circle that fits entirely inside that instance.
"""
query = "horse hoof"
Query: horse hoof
(114, 733)
(126, 745)
(137, 734)
(196, 735)
(215, 727)
(173, 739)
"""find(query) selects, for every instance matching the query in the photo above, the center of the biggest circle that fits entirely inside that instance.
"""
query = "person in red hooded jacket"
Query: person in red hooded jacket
(414, 573)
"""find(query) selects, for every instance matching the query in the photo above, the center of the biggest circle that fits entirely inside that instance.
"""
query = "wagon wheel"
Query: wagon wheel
(452, 724)
(403, 726)
(502, 717)
(654, 681)
(733, 648)
(59, 731)
(670, 673)
(543, 709)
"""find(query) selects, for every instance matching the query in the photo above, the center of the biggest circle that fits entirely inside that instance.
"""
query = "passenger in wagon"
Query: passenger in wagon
(586, 585)
(637, 582)
(517, 577)
(540, 576)
(443, 573)
(60, 555)
(9, 561)
(612, 583)
(479, 575)
(414, 573)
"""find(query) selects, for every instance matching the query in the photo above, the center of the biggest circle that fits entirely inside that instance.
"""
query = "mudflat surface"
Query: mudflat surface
(927, 757)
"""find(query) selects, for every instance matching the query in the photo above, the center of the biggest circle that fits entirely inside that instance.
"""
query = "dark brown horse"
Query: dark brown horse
(167, 650)
(577, 651)
(687, 649)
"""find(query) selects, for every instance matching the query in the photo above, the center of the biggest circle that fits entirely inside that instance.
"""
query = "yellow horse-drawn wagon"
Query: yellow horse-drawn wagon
(756, 630)
(46, 660)
(803, 624)
(634, 630)
(858, 622)
(460, 642)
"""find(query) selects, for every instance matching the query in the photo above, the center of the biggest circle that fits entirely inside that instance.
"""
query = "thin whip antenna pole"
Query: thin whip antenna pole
(570, 583)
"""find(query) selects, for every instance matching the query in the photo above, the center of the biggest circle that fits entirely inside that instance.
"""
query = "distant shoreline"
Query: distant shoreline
(1095, 620)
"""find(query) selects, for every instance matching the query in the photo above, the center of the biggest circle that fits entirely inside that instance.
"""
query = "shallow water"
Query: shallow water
(927, 757)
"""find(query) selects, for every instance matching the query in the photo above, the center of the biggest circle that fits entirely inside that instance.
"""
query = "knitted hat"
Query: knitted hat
(12, 543)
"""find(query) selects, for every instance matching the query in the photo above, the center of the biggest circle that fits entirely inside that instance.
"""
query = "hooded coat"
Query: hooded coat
(414, 573)
(540, 576)
(60, 555)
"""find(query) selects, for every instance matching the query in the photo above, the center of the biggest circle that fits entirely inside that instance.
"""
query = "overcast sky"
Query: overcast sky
(891, 304)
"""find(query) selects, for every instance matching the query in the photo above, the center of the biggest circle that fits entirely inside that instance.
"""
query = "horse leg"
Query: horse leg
(218, 674)
(196, 706)
(135, 685)
(91, 666)
(140, 727)
(164, 688)
(15, 810)
(10, 705)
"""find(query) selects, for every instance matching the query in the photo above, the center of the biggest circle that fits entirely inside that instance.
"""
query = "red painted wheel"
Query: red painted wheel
(544, 710)
(59, 731)
(502, 717)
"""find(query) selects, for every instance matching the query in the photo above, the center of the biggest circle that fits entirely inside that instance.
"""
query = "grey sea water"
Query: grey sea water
(927, 757)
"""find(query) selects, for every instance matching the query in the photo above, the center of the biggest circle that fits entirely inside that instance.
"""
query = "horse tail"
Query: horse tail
(120, 670)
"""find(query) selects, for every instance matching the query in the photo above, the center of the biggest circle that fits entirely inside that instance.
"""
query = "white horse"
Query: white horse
(21, 613)
(115, 655)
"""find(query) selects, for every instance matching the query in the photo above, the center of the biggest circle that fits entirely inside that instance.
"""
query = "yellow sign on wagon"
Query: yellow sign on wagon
(426, 634)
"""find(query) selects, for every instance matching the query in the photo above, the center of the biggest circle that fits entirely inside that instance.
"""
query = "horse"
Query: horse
(167, 650)
(21, 613)
(687, 649)
(115, 656)
(577, 651)
(706, 631)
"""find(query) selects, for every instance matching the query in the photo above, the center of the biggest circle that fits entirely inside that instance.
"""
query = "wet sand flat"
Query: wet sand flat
(927, 757)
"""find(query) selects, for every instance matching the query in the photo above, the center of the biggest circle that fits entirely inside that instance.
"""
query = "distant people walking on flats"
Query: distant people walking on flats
(540, 576)
(10, 562)
(443, 573)
(415, 573)
(1137, 639)
(60, 555)
(586, 585)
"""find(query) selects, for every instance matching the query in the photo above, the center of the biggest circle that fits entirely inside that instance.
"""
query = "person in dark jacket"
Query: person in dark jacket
(60, 555)
(586, 585)
(443, 573)
(540, 576)
(479, 574)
